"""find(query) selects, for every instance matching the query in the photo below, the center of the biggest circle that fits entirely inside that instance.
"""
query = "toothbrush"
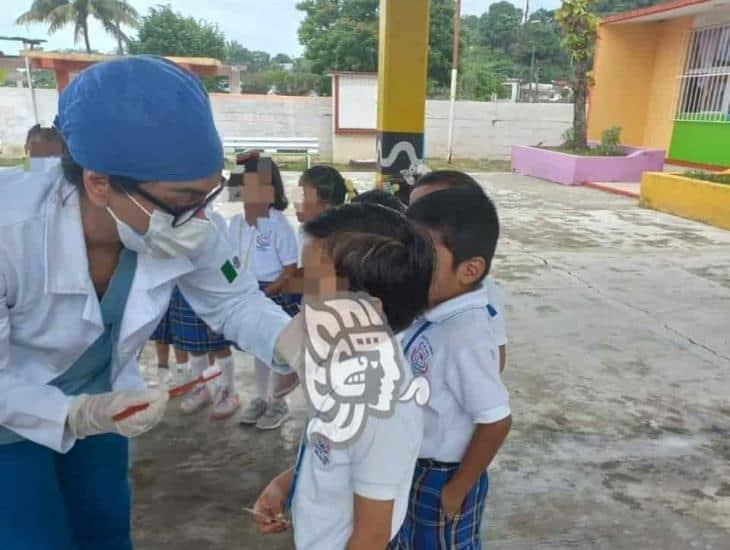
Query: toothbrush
(279, 519)
(209, 374)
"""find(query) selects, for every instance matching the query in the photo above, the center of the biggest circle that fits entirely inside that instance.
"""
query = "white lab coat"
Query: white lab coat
(50, 314)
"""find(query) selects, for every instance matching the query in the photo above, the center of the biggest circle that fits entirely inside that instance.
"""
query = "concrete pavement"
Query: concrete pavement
(619, 372)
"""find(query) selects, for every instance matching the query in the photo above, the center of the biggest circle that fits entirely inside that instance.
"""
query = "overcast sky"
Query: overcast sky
(269, 25)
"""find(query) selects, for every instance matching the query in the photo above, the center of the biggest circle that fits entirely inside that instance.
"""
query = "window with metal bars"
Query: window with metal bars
(704, 92)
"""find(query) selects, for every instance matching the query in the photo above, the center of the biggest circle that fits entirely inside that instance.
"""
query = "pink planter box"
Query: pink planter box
(575, 169)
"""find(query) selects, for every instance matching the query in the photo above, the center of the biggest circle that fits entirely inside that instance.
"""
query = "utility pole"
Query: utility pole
(454, 75)
(532, 75)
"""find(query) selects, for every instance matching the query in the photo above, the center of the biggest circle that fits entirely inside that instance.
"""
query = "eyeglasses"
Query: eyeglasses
(180, 215)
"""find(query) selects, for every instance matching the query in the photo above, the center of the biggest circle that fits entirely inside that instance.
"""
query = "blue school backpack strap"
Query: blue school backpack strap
(297, 468)
(424, 326)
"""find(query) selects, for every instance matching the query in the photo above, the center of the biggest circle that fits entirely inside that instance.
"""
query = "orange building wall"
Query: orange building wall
(671, 48)
(622, 73)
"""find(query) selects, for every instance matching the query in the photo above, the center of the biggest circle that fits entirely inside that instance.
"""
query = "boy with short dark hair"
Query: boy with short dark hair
(453, 345)
(450, 179)
(354, 494)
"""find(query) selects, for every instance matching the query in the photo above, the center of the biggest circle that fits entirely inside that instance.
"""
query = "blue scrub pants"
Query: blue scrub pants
(74, 501)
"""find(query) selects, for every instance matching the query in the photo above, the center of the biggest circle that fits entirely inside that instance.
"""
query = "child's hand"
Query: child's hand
(268, 512)
(451, 500)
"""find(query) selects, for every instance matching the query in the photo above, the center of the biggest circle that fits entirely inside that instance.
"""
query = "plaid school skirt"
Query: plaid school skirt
(182, 328)
(426, 526)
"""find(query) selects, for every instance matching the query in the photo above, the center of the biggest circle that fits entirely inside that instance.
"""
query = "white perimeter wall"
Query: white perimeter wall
(482, 130)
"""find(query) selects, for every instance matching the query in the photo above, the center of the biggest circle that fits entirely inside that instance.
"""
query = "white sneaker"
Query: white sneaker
(255, 410)
(196, 400)
(276, 413)
(226, 403)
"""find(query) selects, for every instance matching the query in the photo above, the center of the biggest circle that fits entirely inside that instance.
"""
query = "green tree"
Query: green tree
(603, 7)
(281, 59)
(339, 35)
(254, 60)
(440, 42)
(579, 27)
(541, 34)
(112, 14)
(483, 72)
(499, 28)
(342, 35)
(165, 32)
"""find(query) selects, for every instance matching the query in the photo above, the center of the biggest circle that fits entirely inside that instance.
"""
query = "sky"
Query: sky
(268, 25)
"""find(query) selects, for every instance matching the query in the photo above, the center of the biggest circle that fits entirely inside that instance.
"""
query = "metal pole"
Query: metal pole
(454, 75)
(32, 90)
(532, 75)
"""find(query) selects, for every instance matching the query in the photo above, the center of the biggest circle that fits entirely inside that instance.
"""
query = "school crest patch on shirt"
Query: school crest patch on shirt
(322, 449)
(420, 356)
(263, 241)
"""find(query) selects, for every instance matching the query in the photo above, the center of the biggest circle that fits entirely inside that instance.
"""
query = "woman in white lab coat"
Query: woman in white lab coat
(89, 253)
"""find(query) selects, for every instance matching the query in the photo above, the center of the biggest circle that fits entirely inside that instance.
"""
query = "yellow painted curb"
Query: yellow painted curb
(699, 200)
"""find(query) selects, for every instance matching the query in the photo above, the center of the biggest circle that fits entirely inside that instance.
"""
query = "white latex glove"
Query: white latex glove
(92, 414)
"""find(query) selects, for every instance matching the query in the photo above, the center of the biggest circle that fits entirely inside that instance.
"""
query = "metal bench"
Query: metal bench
(298, 145)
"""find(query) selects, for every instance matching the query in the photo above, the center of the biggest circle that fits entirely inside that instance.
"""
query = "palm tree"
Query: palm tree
(112, 14)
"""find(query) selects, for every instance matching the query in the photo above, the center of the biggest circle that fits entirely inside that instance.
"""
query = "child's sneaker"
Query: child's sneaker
(255, 410)
(276, 412)
(196, 400)
(226, 403)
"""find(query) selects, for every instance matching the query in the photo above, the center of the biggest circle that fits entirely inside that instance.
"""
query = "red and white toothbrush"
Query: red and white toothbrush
(209, 374)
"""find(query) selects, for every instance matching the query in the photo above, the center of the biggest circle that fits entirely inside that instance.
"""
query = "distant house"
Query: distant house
(662, 73)
(10, 65)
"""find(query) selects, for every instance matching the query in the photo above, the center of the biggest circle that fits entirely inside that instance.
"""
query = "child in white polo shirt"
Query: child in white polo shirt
(267, 245)
(354, 495)
(450, 179)
(453, 345)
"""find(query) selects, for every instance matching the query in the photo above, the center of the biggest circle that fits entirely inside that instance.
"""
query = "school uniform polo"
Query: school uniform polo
(378, 464)
(455, 346)
(459, 354)
(266, 249)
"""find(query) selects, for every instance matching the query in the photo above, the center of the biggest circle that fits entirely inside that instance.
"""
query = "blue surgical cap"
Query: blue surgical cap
(141, 117)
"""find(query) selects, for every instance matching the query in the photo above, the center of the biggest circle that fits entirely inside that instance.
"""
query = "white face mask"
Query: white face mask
(162, 240)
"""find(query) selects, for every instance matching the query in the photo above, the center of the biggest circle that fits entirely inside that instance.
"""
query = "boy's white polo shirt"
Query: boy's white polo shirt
(267, 248)
(378, 464)
(459, 355)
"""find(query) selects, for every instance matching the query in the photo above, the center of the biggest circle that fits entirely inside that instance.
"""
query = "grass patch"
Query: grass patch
(291, 163)
(12, 162)
(714, 177)
(590, 152)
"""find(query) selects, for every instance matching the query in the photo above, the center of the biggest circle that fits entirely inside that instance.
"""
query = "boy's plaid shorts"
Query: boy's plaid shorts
(426, 527)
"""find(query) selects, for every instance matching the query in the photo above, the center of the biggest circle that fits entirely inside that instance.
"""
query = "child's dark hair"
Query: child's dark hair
(450, 179)
(331, 187)
(383, 198)
(466, 221)
(46, 134)
(280, 200)
(381, 253)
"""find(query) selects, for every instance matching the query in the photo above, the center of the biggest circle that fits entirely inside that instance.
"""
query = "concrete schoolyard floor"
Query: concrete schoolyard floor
(619, 373)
